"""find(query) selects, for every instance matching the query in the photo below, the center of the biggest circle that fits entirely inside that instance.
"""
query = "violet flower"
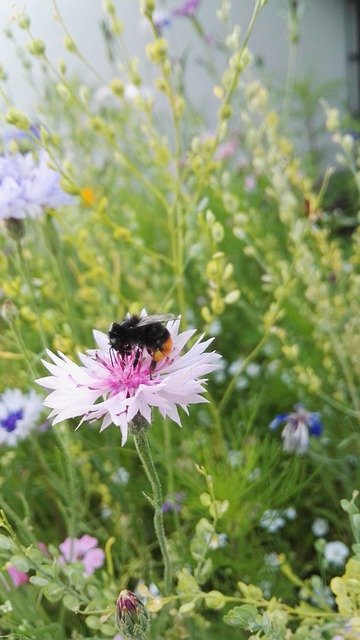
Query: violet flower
(187, 9)
(84, 550)
(299, 426)
(28, 186)
(118, 388)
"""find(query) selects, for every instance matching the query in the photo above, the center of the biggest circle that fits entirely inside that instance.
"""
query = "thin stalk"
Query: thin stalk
(170, 470)
(144, 452)
(26, 276)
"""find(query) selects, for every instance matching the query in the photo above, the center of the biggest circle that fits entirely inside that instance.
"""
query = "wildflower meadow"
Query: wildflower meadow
(180, 341)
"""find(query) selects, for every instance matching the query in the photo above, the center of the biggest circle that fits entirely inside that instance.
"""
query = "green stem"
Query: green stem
(143, 449)
(170, 471)
(26, 276)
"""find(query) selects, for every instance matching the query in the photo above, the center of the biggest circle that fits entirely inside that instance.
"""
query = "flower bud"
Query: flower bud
(15, 228)
(131, 616)
(36, 47)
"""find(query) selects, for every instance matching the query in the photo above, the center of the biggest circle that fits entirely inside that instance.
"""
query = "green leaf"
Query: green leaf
(39, 581)
(54, 592)
(20, 563)
(5, 542)
(71, 602)
(214, 600)
(246, 617)
(93, 622)
(355, 523)
(205, 571)
(349, 507)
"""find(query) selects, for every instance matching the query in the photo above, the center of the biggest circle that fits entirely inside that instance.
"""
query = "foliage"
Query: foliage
(229, 229)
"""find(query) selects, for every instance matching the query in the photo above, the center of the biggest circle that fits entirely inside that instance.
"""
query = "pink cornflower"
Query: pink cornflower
(84, 550)
(118, 388)
(17, 577)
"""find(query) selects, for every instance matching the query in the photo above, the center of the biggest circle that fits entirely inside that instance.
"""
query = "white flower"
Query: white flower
(115, 388)
(19, 413)
(320, 527)
(271, 520)
(121, 476)
(336, 552)
(272, 560)
(253, 370)
(290, 513)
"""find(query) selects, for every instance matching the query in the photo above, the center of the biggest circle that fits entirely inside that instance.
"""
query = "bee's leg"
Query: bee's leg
(152, 367)
(138, 353)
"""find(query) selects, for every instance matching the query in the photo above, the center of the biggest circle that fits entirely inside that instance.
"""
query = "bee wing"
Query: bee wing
(161, 317)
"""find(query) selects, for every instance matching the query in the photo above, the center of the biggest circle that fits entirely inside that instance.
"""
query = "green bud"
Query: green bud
(36, 47)
(117, 87)
(225, 111)
(69, 44)
(23, 21)
(16, 117)
(117, 27)
(109, 7)
(147, 7)
(156, 51)
(132, 618)
(63, 91)
(62, 66)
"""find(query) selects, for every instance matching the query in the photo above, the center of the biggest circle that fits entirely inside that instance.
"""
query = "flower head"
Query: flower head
(19, 413)
(336, 552)
(131, 616)
(118, 388)
(28, 186)
(320, 527)
(299, 425)
(84, 550)
(187, 9)
(272, 520)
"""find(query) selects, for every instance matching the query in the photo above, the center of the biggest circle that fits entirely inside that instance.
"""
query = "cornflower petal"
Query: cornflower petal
(115, 389)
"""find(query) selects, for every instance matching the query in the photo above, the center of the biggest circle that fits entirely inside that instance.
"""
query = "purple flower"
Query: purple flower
(84, 550)
(27, 187)
(161, 20)
(17, 577)
(173, 504)
(299, 426)
(118, 388)
(187, 9)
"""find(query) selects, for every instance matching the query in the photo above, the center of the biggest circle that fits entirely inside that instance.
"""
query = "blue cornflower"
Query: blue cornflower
(299, 426)
(28, 186)
(19, 414)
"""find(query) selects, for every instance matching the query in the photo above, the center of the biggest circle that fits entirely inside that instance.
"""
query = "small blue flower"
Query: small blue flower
(299, 426)
(19, 414)
(28, 186)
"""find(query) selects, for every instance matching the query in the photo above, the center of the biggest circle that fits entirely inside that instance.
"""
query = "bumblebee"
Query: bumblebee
(140, 332)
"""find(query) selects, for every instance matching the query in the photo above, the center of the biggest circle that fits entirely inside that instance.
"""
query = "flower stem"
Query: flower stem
(143, 449)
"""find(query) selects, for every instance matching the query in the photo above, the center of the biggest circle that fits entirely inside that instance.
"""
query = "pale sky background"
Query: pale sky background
(321, 53)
